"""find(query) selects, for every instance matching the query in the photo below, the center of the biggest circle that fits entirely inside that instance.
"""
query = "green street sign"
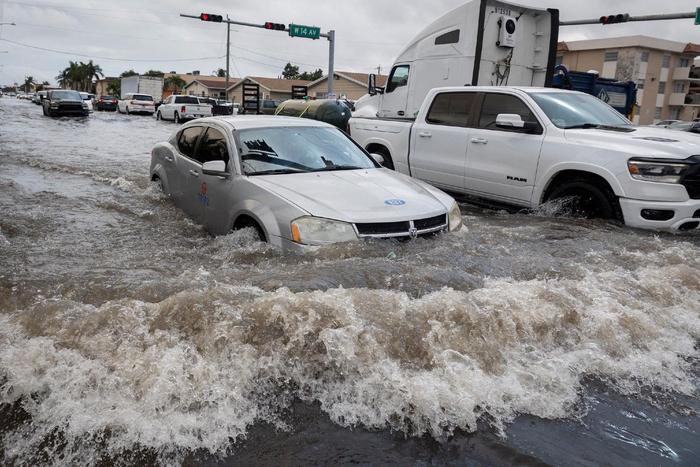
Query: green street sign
(309, 32)
(697, 16)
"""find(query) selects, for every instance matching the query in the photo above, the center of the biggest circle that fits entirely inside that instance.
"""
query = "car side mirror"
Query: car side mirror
(378, 158)
(214, 168)
(509, 121)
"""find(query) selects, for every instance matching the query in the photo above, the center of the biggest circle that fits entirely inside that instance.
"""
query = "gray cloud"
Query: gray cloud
(370, 33)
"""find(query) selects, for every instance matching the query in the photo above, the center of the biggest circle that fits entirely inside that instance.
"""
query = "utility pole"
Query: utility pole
(228, 54)
(331, 58)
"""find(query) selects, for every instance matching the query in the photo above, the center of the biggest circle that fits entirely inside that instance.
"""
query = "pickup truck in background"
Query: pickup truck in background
(182, 108)
(217, 107)
(525, 146)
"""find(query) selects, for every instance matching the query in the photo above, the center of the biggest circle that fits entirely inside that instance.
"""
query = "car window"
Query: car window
(399, 77)
(187, 142)
(495, 104)
(213, 147)
(451, 109)
(186, 100)
(143, 97)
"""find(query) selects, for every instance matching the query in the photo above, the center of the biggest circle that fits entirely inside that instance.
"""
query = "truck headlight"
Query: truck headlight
(319, 231)
(649, 171)
(455, 217)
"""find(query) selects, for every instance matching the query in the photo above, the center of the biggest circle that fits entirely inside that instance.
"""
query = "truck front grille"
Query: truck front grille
(691, 180)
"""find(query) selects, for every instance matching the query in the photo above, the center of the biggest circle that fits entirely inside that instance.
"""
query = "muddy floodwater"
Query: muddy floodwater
(128, 335)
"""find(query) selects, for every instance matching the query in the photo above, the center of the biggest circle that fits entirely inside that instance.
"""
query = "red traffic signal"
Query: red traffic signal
(210, 17)
(613, 19)
(275, 26)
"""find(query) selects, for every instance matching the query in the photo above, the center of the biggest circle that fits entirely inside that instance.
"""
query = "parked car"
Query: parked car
(666, 123)
(39, 97)
(136, 104)
(692, 127)
(298, 183)
(87, 97)
(223, 108)
(106, 103)
(525, 146)
(63, 102)
(182, 108)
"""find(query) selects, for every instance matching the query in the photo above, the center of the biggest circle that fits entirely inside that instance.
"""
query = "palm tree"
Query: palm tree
(174, 83)
(28, 83)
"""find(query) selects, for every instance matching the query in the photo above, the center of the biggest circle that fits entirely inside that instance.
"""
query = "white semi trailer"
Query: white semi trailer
(150, 85)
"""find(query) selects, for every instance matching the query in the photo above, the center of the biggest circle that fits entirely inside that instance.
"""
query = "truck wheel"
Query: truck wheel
(176, 118)
(157, 115)
(127, 110)
(589, 199)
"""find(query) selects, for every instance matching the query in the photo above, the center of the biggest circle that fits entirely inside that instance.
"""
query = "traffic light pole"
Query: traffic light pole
(228, 55)
(632, 18)
(330, 36)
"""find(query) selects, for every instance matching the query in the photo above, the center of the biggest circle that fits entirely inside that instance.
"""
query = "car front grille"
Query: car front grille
(70, 107)
(691, 179)
(406, 229)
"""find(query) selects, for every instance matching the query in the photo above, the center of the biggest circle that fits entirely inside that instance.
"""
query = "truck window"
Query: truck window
(495, 104)
(213, 147)
(451, 37)
(187, 142)
(399, 77)
(451, 109)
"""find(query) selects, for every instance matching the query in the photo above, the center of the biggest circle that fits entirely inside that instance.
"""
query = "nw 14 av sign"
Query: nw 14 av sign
(309, 32)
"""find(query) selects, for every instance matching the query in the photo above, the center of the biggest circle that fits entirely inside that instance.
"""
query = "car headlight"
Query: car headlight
(664, 172)
(455, 217)
(319, 231)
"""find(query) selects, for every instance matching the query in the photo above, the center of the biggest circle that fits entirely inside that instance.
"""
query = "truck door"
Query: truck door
(439, 150)
(395, 96)
(502, 162)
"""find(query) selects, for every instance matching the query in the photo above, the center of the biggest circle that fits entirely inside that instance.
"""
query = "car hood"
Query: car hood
(643, 142)
(365, 195)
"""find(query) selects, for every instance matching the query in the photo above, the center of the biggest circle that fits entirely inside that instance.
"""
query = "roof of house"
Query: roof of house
(630, 41)
(358, 78)
(211, 83)
(273, 84)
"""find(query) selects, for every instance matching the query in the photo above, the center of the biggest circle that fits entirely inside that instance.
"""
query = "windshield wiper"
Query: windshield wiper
(599, 126)
(337, 167)
(276, 172)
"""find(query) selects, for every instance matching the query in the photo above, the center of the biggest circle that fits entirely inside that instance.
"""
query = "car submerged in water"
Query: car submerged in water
(297, 182)
(63, 102)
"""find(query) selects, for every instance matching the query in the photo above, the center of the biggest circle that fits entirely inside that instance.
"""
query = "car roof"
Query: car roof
(243, 122)
(527, 89)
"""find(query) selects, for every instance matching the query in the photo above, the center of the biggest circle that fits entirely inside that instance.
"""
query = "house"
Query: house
(209, 87)
(270, 88)
(661, 68)
(189, 78)
(101, 86)
(345, 84)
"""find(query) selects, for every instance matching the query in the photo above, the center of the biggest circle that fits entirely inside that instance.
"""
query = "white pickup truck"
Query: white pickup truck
(182, 108)
(526, 145)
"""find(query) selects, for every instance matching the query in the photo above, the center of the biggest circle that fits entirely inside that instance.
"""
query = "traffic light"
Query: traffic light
(613, 19)
(275, 26)
(210, 17)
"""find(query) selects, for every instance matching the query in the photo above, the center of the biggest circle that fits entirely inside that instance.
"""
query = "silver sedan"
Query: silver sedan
(297, 182)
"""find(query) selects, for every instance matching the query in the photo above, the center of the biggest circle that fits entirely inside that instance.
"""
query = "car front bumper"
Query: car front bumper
(685, 214)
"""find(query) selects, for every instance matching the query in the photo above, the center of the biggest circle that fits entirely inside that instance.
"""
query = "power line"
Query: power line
(111, 58)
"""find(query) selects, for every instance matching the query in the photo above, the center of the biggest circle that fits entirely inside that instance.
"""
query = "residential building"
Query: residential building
(192, 76)
(661, 69)
(346, 84)
(270, 88)
(209, 87)
(101, 86)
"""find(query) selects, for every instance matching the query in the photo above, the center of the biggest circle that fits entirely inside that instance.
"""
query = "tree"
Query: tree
(311, 76)
(128, 73)
(221, 73)
(156, 73)
(174, 83)
(114, 87)
(290, 71)
(79, 75)
(28, 83)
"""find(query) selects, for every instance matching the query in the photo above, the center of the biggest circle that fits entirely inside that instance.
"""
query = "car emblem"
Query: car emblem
(395, 202)
(413, 232)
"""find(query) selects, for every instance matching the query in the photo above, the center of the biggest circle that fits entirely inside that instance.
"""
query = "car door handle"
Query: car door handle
(479, 140)
(425, 134)
(194, 173)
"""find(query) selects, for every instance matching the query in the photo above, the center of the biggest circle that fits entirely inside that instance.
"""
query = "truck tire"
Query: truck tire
(590, 199)
(157, 115)
(127, 110)
(176, 118)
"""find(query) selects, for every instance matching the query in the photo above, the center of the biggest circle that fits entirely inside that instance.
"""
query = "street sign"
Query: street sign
(308, 32)
(697, 15)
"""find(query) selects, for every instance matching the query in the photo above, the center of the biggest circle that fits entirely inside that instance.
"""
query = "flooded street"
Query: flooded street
(129, 335)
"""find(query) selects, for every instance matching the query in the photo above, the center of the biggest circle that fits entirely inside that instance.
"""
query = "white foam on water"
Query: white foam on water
(196, 370)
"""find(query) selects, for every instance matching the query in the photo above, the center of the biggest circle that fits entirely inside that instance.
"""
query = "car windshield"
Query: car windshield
(575, 110)
(142, 97)
(267, 151)
(186, 100)
(65, 95)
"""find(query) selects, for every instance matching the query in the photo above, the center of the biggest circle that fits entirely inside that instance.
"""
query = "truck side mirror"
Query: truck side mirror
(509, 121)
(372, 88)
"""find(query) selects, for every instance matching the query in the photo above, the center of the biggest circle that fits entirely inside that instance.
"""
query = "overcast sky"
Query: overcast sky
(370, 33)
